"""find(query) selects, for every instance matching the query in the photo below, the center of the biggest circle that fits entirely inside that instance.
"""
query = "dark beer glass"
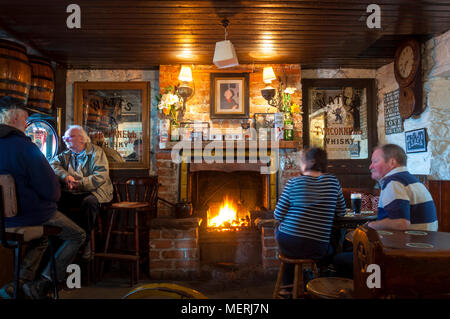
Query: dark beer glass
(356, 203)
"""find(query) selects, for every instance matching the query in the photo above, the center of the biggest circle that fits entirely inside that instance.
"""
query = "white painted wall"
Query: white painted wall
(435, 117)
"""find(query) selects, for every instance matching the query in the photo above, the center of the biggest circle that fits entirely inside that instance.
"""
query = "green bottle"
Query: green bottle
(288, 128)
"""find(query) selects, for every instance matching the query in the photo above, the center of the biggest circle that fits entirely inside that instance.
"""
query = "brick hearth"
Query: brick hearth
(175, 251)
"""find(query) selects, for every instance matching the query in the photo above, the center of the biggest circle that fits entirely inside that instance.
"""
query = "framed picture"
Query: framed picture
(229, 95)
(354, 149)
(116, 117)
(416, 141)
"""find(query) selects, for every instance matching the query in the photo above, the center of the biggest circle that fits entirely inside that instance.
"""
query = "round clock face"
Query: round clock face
(405, 62)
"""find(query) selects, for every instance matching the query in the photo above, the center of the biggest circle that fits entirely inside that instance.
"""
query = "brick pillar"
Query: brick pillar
(168, 178)
(174, 249)
(269, 244)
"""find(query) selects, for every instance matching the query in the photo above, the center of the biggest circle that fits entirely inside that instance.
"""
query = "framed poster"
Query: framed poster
(116, 117)
(392, 120)
(229, 95)
(416, 141)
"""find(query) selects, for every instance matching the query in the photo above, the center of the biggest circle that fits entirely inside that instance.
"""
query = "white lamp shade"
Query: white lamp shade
(225, 55)
(185, 74)
(268, 75)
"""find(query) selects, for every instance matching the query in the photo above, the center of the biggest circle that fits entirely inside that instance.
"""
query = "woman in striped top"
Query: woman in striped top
(306, 211)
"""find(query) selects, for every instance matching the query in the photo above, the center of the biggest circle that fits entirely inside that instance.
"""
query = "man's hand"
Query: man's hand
(71, 182)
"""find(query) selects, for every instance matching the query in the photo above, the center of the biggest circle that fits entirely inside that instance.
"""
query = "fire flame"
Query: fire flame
(227, 216)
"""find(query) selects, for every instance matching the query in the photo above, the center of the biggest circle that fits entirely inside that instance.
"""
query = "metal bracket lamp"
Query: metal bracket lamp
(185, 90)
(273, 96)
(269, 92)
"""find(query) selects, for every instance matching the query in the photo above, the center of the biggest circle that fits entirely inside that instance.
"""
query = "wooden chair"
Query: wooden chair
(136, 197)
(16, 237)
(298, 289)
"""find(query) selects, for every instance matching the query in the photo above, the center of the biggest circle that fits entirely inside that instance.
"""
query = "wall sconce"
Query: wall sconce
(268, 76)
(274, 97)
(185, 90)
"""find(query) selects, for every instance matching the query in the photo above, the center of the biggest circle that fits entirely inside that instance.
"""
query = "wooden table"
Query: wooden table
(354, 220)
(342, 223)
(413, 264)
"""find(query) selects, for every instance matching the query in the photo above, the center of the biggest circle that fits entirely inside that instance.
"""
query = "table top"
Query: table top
(415, 241)
(350, 216)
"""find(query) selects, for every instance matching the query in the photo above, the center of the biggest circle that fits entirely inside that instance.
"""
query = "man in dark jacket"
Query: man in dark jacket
(38, 190)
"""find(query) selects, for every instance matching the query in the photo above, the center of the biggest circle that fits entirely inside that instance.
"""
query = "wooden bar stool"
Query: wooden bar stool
(298, 290)
(330, 288)
(16, 237)
(137, 197)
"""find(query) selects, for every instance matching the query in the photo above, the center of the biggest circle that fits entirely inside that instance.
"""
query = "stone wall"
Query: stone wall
(436, 105)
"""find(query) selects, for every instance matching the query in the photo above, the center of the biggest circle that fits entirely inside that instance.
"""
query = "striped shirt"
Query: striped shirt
(403, 196)
(307, 206)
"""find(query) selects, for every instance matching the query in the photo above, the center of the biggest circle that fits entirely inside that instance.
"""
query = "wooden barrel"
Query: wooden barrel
(42, 85)
(15, 71)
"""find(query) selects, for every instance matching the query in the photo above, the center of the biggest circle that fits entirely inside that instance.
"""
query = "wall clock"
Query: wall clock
(407, 102)
(407, 62)
(407, 70)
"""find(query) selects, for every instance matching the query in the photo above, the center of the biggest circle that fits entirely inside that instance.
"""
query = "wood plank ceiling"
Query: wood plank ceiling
(144, 34)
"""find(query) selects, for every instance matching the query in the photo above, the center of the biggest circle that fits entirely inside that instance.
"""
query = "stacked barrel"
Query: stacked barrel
(15, 71)
(28, 79)
(42, 85)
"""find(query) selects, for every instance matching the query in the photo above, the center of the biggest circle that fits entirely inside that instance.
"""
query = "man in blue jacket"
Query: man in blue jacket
(38, 190)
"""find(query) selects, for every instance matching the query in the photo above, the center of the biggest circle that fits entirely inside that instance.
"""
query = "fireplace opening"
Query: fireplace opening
(228, 201)
(227, 215)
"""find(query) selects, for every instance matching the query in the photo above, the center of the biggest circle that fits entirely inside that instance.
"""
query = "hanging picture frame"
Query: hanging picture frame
(229, 96)
(416, 141)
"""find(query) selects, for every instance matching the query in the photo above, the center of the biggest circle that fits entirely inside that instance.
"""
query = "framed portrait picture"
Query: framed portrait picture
(229, 95)
(416, 141)
(116, 117)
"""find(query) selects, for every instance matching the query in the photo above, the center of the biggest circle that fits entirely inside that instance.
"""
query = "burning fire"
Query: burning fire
(227, 216)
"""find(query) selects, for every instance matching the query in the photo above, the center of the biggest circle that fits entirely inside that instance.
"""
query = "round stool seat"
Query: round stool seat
(130, 205)
(329, 287)
(295, 260)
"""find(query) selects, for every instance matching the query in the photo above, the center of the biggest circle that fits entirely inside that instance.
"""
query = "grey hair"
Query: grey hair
(85, 136)
(7, 115)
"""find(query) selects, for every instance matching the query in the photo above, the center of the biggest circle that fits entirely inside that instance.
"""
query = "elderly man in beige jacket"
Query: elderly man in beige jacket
(83, 169)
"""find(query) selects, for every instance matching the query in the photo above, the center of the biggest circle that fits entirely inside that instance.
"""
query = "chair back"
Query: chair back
(8, 203)
(138, 189)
